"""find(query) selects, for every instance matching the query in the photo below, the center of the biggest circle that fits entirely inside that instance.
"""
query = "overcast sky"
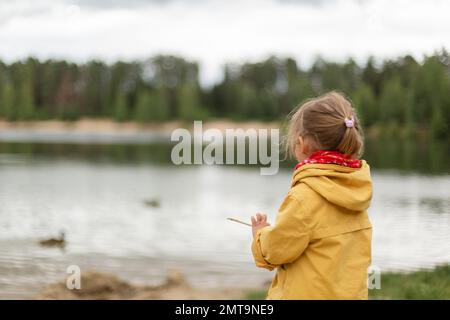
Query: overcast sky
(217, 31)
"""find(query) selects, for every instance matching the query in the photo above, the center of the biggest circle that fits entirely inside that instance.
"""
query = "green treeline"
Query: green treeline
(401, 93)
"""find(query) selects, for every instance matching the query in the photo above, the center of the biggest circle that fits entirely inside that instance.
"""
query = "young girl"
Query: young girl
(321, 241)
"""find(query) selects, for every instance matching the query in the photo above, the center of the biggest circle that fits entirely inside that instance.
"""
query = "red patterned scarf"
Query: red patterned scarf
(330, 157)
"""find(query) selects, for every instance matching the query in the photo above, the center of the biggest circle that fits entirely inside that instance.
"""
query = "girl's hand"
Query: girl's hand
(259, 221)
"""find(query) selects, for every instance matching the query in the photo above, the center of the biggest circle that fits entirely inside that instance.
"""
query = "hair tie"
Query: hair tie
(349, 122)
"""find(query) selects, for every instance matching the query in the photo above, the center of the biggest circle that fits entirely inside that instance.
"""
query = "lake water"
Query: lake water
(96, 193)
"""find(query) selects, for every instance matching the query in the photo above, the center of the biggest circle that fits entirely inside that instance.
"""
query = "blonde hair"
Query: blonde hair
(330, 121)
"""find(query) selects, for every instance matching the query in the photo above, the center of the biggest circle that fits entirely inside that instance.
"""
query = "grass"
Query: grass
(431, 284)
(256, 295)
(423, 284)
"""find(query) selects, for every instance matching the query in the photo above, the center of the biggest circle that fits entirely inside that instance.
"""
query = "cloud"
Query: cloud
(216, 31)
(22, 8)
(108, 4)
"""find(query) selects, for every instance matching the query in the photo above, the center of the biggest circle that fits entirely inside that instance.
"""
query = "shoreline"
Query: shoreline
(107, 126)
(420, 284)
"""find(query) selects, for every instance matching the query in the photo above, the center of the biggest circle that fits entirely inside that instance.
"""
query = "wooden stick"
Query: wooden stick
(239, 221)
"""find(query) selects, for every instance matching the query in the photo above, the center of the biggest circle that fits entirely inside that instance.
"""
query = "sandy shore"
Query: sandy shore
(104, 286)
(110, 126)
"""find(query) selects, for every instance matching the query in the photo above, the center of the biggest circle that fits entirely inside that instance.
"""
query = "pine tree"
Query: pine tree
(189, 103)
(120, 106)
(26, 104)
(151, 106)
(365, 104)
(393, 102)
(7, 104)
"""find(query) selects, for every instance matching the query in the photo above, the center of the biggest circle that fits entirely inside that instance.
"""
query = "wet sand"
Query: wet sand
(105, 286)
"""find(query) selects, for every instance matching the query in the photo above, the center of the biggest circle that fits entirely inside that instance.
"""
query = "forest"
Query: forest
(400, 95)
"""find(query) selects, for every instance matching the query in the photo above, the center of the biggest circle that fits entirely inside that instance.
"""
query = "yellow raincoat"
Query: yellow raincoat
(320, 243)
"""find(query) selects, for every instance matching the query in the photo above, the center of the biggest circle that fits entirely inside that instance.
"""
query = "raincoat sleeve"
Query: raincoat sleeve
(284, 242)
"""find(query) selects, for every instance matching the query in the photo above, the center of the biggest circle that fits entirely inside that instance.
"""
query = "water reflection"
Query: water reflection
(431, 157)
(426, 156)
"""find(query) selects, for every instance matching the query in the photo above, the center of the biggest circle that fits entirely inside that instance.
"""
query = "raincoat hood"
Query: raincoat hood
(350, 188)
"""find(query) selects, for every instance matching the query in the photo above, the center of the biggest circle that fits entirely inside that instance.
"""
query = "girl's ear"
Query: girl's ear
(304, 147)
(300, 144)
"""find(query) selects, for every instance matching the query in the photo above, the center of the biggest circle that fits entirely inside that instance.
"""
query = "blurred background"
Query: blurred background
(91, 90)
